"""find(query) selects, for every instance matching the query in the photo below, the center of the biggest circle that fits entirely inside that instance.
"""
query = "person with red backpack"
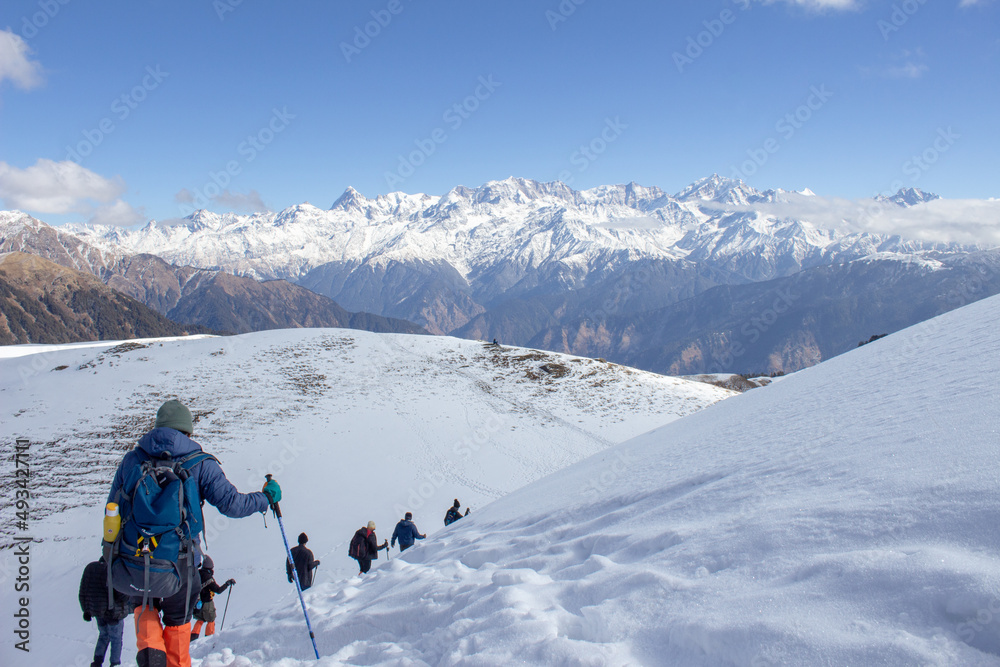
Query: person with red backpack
(160, 485)
(365, 547)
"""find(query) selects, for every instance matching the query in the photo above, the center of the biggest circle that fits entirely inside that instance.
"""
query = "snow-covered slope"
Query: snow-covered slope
(355, 426)
(846, 515)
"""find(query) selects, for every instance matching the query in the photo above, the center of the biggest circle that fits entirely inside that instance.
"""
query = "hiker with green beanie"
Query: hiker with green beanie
(167, 642)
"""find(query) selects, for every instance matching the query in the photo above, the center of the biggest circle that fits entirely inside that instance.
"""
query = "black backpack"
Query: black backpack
(451, 516)
(359, 545)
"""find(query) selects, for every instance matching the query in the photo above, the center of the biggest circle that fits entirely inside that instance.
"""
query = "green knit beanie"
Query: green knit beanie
(173, 414)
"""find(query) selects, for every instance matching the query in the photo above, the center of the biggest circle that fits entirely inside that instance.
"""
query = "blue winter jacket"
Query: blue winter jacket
(406, 533)
(212, 482)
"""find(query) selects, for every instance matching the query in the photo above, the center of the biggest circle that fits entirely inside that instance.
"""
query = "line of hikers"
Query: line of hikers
(364, 545)
(153, 565)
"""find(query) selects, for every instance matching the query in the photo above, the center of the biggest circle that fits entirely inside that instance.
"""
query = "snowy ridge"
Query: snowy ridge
(830, 518)
(514, 222)
(19, 232)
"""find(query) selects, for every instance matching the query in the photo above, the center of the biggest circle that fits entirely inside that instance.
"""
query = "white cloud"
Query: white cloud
(249, 202)
(967, 221)
(117, 214)
(239, 202)
(15, 63)
(56, 187)
(972, 221)
(973, 3)
(185, 196)
(820, 5)
(905, 64)
(907, 70)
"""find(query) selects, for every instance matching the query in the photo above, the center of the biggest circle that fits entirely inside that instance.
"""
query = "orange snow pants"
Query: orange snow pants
(160, 646)
(209, 628)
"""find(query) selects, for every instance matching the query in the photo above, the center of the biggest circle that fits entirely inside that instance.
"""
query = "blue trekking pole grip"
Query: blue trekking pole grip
(295, 573)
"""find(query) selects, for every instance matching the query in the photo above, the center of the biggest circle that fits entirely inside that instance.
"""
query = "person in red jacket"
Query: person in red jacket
(365, 547)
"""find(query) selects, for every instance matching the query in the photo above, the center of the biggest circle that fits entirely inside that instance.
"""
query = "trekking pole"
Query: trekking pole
(228, 595)
(387, 556)
(295, 573)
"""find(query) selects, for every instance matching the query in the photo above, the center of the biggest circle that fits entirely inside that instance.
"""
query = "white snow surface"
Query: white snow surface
(356, 426)
(847, 515)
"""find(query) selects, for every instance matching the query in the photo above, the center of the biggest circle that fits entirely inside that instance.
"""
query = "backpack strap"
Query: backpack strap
(194, 458)
(187, 464)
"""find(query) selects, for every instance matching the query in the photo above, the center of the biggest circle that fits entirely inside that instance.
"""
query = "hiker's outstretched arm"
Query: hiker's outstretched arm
(221, 493)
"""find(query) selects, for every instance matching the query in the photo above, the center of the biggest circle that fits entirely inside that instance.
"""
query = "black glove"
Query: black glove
(231, 582)
(86, 617)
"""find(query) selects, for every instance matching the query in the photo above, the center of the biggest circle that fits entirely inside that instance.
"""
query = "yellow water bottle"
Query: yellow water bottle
(112, 522)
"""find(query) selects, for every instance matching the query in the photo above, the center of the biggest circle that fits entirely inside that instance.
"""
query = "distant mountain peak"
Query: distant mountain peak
(907, 197)
(718, 189)
(350, 199)
(513, 189)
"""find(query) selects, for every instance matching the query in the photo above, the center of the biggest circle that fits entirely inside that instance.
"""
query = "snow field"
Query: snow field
(355, 426)
(847, 515)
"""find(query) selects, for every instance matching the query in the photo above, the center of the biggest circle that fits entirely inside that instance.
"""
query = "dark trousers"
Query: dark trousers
(172, 608)
(404, 547)
(109, 634)
(365, 563)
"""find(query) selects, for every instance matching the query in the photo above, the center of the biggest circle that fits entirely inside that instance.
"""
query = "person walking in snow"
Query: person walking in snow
(454, 513)
(365, 547)
(167, 643)
(110, 622)
(406, 532)
(205, 612)
(304, 563)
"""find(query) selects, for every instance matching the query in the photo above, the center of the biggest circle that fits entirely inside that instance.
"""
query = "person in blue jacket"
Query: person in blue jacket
(406, 532)
(169, 644)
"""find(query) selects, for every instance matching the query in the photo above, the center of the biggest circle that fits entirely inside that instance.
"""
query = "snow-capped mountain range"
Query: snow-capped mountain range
(605, 272)
(515, 222)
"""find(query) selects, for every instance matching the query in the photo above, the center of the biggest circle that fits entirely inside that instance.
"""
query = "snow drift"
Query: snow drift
(846, 515)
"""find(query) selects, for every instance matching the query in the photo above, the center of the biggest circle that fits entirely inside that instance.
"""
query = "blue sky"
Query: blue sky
(123, 111)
